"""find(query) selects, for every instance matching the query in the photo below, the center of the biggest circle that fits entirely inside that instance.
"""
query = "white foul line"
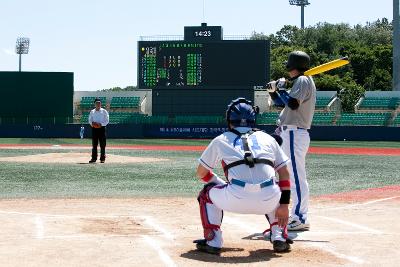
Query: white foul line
(39, 227)
(63, 215)
(362, 204)
(157, 227)
(353, 259)
(365, 228)
(337, 254)
(163, 256)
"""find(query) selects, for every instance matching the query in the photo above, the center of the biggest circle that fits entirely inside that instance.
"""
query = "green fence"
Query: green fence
(35, 120)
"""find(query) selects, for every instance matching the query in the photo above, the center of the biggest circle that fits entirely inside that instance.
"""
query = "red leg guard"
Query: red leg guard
(203, 200)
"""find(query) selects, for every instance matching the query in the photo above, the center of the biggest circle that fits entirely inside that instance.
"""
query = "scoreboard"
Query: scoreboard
(196, 64)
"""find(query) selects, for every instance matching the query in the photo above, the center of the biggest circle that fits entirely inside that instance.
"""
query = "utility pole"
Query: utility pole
(396, 46)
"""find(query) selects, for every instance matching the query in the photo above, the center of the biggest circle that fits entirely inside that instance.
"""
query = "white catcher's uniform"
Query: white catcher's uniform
(296, 141)
(227, 148)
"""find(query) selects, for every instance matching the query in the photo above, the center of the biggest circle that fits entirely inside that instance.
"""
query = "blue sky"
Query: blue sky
(97, 39)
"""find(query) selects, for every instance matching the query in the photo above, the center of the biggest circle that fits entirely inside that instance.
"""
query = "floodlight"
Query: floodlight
(302, 4)
(22, 48)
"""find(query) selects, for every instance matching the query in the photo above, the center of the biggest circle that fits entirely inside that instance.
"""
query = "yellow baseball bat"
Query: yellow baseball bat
(327, 66)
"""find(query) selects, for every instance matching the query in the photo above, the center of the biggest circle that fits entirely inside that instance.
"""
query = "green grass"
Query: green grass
(185, 142)
(327, 174)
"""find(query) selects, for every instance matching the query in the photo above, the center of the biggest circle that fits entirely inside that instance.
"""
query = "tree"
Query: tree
(369, 48)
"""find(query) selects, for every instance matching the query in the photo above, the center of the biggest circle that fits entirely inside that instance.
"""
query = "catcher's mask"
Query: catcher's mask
(241, 113)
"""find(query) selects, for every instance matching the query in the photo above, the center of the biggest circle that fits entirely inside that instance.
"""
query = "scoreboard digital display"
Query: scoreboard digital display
(188, 64)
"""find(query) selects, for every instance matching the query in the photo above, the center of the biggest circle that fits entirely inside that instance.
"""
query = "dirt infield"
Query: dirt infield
(312, 150)
(78, 158)
(159, 232)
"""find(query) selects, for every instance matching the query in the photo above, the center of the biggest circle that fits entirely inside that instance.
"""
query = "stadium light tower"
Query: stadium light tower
(22, 47)
(302, 4)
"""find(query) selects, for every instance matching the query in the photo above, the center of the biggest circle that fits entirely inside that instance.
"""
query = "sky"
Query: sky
(97, 39)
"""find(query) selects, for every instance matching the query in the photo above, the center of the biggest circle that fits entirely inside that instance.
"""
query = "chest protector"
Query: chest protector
(248, 158)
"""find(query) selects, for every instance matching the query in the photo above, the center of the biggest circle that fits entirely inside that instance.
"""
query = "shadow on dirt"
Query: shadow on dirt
(226, 256)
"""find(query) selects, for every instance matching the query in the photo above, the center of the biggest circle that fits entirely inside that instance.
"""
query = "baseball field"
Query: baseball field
(140, 208)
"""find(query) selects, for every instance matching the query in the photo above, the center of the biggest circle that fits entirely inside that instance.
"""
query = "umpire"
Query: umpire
(98, 119)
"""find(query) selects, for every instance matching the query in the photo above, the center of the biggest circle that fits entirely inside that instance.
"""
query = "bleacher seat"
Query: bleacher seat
(384, 103)
(396, 121)
(323, 118)
(125, 102)
(267, 118)
(378, 119)
(87, 101)
(322, 102)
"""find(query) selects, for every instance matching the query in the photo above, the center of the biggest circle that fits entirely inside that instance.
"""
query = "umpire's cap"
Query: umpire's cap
(241, 112)
(298, 60)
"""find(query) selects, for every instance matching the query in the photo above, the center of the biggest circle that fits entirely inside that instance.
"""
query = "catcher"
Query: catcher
(250, 159)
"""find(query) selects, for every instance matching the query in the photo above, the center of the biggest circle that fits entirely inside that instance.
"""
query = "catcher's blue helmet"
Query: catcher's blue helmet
(241, 113)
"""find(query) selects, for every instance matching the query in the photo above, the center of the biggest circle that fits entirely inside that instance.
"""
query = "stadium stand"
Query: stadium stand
(125, 102)
(268, 118)
(380, 103)
(378, 119)
(322, 102)
(396, 121)
(323, 118)
(87, 101)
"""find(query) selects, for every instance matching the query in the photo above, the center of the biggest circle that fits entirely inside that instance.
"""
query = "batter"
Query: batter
(293, 125)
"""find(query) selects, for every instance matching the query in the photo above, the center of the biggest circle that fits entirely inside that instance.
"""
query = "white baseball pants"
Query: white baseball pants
(235, 199)
(295, 145)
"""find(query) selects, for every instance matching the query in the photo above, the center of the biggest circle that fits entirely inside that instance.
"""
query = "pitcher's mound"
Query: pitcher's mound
(76, 158)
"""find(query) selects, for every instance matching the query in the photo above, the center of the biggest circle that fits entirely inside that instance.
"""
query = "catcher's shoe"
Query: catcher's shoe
(282, 246)
(201, 245)
(92, 161)
(298, 226)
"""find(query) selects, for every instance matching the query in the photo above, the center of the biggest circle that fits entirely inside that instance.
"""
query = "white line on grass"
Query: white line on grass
(39, 225)
(163, 256)
(362, 227)
(150, 221)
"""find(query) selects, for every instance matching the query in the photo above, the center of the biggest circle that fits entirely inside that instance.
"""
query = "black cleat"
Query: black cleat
(281, 246)
(92, 161)
(201, 245)
(102, 160)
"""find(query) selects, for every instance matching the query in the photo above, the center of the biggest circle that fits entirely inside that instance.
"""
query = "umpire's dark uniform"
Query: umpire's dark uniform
(98, 119)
